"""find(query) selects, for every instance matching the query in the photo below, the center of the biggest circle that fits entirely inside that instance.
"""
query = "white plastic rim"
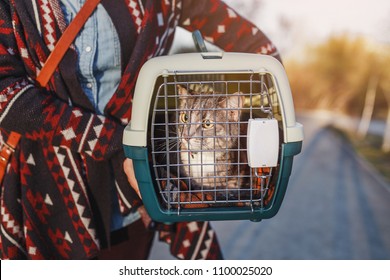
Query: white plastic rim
(136, 131)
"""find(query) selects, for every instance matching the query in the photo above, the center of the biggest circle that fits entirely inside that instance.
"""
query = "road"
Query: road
(335, 207)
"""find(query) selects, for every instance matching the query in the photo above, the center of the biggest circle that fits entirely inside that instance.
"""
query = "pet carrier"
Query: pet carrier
(212, 136)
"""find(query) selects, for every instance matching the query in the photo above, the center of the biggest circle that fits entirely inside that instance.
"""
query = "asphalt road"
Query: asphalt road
(335, 207)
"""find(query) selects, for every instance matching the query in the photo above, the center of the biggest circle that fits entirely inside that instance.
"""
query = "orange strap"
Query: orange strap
(47, 71)
(65, 41)
(6, 151)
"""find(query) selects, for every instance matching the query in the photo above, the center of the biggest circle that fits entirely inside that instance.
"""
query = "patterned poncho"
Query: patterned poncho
(56, 195)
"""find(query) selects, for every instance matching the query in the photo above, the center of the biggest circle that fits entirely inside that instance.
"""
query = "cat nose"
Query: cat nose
(185, 137)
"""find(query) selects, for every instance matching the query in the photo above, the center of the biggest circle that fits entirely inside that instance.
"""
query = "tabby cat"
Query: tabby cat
(208, 132)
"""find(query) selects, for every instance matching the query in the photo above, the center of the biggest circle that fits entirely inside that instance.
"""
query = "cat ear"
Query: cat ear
(233, 101)
(184, 91)
(181, 90)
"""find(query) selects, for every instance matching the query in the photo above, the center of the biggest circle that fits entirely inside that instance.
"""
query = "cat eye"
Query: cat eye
(183, 117)
(207, 124)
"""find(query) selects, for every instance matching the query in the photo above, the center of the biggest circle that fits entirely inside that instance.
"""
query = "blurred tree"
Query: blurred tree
(335, 76)
(342, 66)
(369, 104)
(385, 86)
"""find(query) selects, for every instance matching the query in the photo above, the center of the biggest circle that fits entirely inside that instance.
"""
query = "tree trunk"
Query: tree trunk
(368, 107)
(386, 136)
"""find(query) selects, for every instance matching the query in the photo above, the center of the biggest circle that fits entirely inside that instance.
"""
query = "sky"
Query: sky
(291, 24)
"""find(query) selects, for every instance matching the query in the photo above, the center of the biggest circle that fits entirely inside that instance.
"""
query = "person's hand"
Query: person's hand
(129, 170)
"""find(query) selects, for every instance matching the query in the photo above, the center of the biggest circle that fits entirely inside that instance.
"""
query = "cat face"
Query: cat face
(207, 122)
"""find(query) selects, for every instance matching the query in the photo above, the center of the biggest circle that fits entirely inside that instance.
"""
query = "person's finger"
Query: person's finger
(144, 216)
(129, 170)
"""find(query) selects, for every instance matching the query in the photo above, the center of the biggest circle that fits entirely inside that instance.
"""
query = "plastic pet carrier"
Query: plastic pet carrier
(212, 136)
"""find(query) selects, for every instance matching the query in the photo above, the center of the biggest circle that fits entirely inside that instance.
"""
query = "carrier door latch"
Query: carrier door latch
(262, 142)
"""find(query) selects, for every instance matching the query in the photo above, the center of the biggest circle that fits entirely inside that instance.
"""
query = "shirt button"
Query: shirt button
(89, 85)
(88, 49)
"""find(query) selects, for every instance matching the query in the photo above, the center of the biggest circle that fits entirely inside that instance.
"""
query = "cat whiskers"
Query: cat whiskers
(160, 144)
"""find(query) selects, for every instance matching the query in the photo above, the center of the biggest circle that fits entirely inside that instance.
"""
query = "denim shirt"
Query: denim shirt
(99, 71)
(99, 65)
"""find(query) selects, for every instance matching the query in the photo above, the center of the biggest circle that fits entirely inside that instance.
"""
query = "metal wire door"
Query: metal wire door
(198, 139)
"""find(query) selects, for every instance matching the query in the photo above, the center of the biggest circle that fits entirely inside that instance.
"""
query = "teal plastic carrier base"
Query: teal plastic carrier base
(139, 155)
(212, 136)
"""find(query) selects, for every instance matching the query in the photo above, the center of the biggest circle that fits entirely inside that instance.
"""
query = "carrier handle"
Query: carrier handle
(199, 41)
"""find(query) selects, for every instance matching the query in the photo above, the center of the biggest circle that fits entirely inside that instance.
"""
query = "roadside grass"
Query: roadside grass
(369, 148)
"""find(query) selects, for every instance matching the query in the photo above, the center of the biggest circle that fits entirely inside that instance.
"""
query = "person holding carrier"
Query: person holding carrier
(64, 191)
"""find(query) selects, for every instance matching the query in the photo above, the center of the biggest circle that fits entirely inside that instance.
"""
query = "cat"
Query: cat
(208, 131)
(201, 152)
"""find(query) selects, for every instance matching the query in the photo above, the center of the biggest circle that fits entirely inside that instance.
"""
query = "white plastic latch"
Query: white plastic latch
(262, 143)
